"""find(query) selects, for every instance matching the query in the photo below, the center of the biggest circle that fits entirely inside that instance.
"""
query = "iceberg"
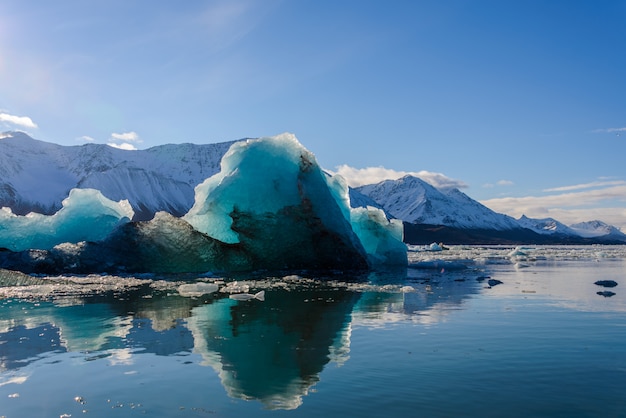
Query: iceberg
(86, 215)
(270, 207)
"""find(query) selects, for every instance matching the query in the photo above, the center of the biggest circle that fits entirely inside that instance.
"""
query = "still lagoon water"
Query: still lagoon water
(469, 331)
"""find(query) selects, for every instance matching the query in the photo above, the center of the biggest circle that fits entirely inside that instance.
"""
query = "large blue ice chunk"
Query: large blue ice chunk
(274, 188)
(86, 215)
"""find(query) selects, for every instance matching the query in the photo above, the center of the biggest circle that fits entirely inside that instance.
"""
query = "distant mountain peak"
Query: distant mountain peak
(545, 226)
(597, 228)
(416, 201)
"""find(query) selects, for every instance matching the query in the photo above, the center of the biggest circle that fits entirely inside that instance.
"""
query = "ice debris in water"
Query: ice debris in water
(247, 296)
(197, 289)
(86, 215)
(237, 287)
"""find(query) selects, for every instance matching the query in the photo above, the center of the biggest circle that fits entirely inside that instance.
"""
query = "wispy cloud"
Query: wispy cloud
(498, 183)
(609, 130)
(586, 186)
(606, 202)
(370, 175)
(23, 121)
(86, 138)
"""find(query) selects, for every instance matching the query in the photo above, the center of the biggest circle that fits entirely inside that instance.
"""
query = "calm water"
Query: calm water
(438, 341)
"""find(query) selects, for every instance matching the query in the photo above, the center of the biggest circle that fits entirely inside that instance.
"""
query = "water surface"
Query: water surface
(439, 340)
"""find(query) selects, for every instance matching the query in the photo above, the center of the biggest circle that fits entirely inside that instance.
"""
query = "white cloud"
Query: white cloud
(123, 140)
(586, 186)
(23, 121)
(498, 183)
(86, 138)
(607, 204)
(124, 145)
(370, 175)
(126, 136)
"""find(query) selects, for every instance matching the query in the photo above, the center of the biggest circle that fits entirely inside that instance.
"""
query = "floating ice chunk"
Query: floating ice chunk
(272, 197)
(197, 289)
(381, 238)
(435, 247)
(407, 289)
(517, 252)
(86, 215)
(247, 296)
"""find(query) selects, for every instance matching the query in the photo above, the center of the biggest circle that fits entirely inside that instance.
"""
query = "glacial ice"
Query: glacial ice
(278, 183)
(270, 207)
(86, 215)
(197, 289)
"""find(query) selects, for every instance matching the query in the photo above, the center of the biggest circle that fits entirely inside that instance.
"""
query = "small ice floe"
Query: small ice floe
(435, 247)
(197, 289)
(519, 265)
(517, 252)
(248, 296)
(606, 283)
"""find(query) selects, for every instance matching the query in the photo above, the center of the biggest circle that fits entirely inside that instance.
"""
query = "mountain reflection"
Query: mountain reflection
(272, 351)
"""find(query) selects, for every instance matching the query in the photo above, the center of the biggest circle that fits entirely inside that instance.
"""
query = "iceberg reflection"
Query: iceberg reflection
(272, 351)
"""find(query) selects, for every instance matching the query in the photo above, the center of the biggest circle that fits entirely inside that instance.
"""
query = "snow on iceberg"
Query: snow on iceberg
(86, 215)
(270, 207)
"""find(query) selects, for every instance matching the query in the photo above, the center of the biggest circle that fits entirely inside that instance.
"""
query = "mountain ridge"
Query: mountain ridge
(430, 214)
(36, 176)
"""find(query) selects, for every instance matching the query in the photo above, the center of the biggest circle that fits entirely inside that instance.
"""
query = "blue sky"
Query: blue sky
(522, 103)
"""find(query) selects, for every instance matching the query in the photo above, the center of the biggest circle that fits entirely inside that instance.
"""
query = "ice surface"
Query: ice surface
(86, 215)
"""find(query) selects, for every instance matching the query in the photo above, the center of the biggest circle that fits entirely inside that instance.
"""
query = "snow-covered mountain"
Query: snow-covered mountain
(593, 229)
(414, 200)
(36, 176)
(449, 214)
(547, 226)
